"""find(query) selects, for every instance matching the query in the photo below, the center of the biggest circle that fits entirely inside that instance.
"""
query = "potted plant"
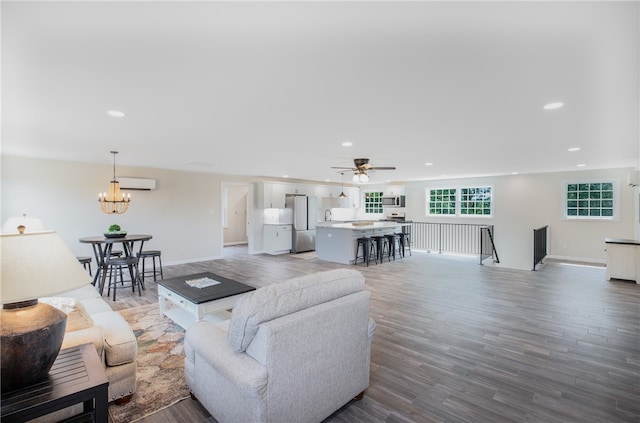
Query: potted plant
(115, 232)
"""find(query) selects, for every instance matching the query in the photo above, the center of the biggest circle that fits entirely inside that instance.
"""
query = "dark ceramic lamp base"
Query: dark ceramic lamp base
(32, 335)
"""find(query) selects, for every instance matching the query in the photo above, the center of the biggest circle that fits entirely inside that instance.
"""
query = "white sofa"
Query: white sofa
(107, 330)
(296, 351)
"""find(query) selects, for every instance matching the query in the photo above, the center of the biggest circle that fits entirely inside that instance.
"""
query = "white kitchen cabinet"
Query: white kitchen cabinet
(277, 239)
(274, 195)
(623, 259)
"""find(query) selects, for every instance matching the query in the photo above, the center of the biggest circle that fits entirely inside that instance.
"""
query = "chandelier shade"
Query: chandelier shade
(114, 201)
(361, 177)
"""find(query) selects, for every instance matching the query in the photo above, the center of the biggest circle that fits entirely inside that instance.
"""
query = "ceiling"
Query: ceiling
(273, 88)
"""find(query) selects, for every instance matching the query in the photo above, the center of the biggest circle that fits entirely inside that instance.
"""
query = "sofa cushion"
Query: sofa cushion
(280, 299)
(77, 316)
(120, 345)
(87, 291)
(95, 305)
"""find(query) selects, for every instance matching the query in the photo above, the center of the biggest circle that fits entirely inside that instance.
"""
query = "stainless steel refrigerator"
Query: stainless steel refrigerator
(305, 216)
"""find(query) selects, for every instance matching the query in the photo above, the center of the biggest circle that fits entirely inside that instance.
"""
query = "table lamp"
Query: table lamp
(33, 265)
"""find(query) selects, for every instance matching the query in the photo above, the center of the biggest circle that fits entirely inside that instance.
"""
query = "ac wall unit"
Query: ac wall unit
(138, 184)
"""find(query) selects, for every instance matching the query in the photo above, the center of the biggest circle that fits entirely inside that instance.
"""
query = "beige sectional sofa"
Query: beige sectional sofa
(91, 320)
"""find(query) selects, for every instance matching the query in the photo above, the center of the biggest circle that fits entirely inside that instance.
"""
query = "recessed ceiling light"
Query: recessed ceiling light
(285, 176)
(428, 164)
(552, 106)
(347, 144)
(574, 149)
(514, 173)
(116, 113)
(581, 165)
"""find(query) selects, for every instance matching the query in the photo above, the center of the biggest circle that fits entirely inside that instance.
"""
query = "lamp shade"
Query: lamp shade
(36, 265)
(30, 224)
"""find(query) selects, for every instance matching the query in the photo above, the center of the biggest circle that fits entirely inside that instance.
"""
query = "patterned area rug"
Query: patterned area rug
(161, 381)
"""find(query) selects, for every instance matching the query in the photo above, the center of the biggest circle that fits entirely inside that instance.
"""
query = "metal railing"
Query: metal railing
(465, 238)
(539, 245)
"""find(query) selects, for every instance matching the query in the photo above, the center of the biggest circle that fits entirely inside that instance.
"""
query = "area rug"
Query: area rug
(160, 359)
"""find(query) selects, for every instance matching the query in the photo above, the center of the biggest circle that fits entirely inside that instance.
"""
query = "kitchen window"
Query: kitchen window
(373, 202)
(590, 200)
(475, 201)
(464, 201)
(442, 201)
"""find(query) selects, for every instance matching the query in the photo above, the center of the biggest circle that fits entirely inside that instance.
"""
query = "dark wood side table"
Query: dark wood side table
(77, 376)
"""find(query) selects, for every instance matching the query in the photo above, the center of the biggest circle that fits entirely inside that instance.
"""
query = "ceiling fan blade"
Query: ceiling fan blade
(338, 167)
(382, 168)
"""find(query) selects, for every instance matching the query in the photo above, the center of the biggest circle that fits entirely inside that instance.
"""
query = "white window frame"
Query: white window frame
(458, 201)
(616, 200)
(364, 201)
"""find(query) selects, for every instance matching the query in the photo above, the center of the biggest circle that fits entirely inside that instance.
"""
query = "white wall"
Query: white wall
(526, 202)
(183, 214)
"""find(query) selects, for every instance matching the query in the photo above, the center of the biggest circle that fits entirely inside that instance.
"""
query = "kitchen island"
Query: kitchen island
(337, 241)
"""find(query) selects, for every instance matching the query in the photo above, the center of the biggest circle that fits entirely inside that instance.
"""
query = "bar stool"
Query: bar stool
(405, 242)
(115, 267)
(115, 254)
(86, 263)
(382, 246)
(368, 249)
(151, 254)
(394, 245)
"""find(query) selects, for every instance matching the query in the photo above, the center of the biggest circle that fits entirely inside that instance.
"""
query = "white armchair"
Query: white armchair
(296, 351)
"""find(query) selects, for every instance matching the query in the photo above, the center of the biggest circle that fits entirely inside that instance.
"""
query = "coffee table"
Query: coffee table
(186, 305)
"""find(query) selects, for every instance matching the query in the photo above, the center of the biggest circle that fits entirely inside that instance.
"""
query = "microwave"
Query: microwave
(393, 201)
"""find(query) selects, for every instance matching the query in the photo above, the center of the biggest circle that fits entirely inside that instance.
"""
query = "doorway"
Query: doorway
(236, 215)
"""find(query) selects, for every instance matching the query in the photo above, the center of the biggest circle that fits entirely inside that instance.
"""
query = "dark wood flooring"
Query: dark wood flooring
(460, 342)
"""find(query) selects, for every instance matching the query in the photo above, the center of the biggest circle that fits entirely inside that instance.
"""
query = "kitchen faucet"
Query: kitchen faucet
(327, 215)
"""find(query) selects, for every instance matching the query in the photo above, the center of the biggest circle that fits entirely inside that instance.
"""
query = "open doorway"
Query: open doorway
(236, 217)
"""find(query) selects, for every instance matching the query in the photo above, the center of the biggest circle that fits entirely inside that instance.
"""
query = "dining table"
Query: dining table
(103, 247)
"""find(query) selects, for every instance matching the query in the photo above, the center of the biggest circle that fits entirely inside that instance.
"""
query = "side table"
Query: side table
(77, 376)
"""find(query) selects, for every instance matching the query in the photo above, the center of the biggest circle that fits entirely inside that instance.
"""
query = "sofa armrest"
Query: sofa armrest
(210, 342)
(92, 335)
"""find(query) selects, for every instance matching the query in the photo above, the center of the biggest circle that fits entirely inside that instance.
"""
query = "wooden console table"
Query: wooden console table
(77, 376)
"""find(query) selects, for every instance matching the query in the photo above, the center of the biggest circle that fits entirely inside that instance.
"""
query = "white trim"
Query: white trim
(458, 201)
(193, 260)
(616, 200)
(578, 259)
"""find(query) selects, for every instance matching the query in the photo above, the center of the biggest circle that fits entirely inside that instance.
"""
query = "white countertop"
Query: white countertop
(360, 226)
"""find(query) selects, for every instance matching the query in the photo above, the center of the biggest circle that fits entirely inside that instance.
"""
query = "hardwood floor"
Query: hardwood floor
(460, 342)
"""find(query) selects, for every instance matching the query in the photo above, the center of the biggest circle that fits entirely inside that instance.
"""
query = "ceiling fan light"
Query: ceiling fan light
(360, 178)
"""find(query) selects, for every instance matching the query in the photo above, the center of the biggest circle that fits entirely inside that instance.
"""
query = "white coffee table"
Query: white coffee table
(186, 305)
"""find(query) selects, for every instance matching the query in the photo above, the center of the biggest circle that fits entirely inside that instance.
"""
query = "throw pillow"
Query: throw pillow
(77, 316)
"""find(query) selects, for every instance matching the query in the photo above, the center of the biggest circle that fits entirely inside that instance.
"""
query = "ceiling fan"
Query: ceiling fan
(361, 167)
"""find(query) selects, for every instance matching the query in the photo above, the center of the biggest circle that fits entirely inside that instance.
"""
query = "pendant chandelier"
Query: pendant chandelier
(342, 194)
(114, 201)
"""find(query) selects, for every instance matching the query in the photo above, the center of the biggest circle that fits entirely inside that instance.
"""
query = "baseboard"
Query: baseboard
(193, 260)
(576, 260)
